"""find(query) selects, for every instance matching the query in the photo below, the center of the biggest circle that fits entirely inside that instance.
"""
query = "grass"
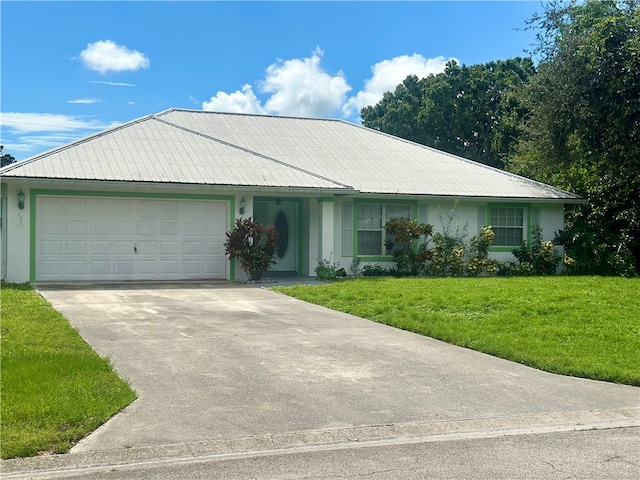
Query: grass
(579, 326)
(54, 388)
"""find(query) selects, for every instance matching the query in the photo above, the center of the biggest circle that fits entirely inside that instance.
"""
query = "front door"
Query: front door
(284, 217)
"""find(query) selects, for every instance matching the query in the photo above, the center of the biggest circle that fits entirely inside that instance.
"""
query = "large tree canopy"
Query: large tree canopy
(574, 123)
(471, 111)
(5, 158)
(583, 128)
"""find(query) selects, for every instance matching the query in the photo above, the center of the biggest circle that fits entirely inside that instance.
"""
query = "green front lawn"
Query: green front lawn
(54, 387)
(579, 326)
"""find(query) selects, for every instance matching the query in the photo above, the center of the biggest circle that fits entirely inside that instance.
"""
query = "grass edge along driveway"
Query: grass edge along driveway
(55, 389)
(578, 326)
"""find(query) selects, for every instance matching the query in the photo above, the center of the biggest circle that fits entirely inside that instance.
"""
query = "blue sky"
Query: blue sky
(71, 69)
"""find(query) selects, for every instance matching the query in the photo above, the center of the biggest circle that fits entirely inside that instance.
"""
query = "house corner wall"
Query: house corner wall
(17, 233)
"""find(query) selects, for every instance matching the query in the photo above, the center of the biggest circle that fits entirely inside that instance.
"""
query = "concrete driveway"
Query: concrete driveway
(221, 367)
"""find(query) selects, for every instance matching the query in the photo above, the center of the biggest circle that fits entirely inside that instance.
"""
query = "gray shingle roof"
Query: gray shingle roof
(195, 147)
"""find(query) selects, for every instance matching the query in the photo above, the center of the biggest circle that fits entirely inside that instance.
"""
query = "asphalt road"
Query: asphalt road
(592, 454)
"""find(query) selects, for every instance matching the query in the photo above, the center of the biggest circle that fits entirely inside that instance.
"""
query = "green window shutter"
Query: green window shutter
(482, 217)
(347, 230)
(423, 214)
(535, 216)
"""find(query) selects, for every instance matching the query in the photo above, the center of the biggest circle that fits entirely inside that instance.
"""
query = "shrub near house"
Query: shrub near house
(254, 244)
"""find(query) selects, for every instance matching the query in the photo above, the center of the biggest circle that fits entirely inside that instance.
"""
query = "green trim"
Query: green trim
(365, 258)
(300, 229)
(33, 193)
(326, 200)
(526, 207)
(359, 201)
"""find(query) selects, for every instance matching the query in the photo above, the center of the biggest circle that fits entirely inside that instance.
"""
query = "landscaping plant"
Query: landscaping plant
(538, 257)
(407, 241)
(254, 244)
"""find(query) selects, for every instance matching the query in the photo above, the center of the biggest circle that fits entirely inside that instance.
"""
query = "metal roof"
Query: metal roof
(188, 146)
(151, 150)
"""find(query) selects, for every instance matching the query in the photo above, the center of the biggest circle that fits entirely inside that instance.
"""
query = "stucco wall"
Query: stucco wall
(17, 227)
(460, 217)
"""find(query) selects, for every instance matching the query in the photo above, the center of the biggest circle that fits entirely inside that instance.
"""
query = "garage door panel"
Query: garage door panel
(124, 227)
(191, 267)
(75, 227)
(98, 267)
(51, 247)
(75, 268)
(123, 267)
(213, 268)
(169, 229)
(123, 247)
(51, 267)
(146, 267)
(100, 228)
(96, 238)
(147, 229)
(147, 248)
(76, 208)
(99, 247)
(101, 210)
(75, 247)
(169, 210)
(191, 229)
(148, 209)
(52, 227)
(170, 267)
(53, 208)
(169, 248)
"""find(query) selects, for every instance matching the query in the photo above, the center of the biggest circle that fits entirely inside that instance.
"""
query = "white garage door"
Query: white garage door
(95, 238)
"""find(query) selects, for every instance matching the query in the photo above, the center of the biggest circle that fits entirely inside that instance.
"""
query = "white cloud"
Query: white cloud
(388, 74)
(48, 122)
(299, 87)
(29, 133)
(85, 101)
(240, 101)
(104, 56)
(113, 84)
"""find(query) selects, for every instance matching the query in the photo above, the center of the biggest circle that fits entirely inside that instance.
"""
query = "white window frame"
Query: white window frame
(506, 222)
(371, 219)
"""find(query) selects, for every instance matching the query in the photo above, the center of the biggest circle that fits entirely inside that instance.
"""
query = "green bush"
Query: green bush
(479, 262)
(407, 241)
(373, 270)
(447, 258)
(327, 270)
(538, 258)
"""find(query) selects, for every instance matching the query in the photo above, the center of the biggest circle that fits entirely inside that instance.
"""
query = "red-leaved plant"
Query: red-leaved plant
(254, 244)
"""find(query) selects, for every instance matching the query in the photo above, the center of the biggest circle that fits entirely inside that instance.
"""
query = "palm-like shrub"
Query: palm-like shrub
(254, 244)
(407, 241)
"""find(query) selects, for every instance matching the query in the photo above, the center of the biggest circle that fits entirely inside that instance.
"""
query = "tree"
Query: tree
(583, 128)
(471, 111)
(6, 159)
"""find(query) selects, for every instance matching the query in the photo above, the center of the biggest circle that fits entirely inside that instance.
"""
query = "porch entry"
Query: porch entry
(283, 215)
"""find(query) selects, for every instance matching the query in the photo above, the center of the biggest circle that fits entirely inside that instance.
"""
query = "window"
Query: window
(371, 221)
(508, 225)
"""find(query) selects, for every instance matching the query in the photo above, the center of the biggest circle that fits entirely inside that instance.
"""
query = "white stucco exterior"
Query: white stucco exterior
(312, 175)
